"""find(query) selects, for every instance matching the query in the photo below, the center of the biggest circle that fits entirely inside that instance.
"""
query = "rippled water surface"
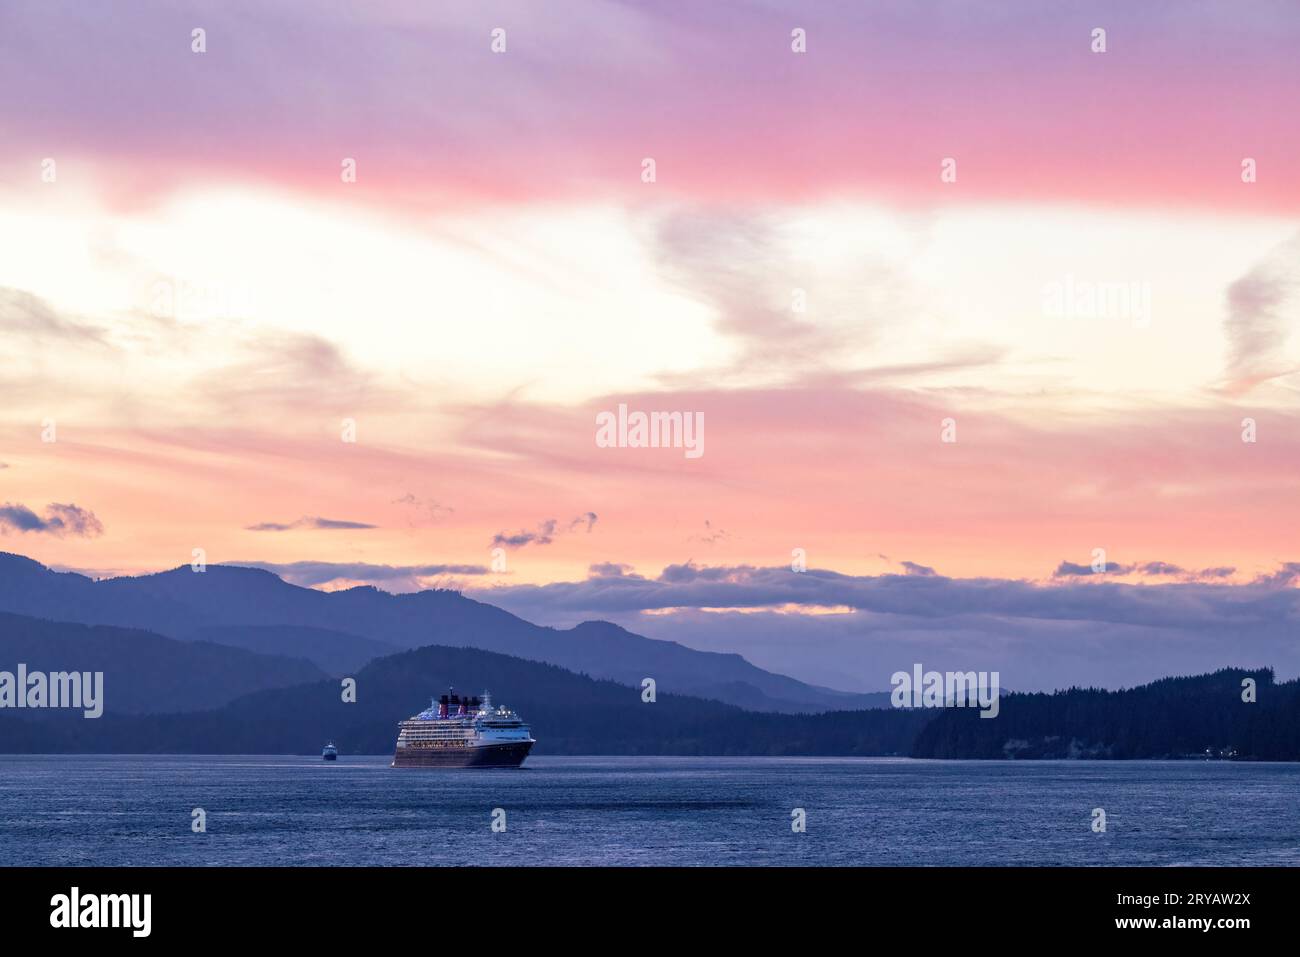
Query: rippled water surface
(115, 810)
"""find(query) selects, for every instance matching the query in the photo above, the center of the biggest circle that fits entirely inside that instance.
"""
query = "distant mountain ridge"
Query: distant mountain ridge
(339, 631)
(568, 714)
(1198, 716)
(336, 652)
(145, 672)
(163, 695)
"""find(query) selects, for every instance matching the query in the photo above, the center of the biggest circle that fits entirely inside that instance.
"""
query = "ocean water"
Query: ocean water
(134, 810)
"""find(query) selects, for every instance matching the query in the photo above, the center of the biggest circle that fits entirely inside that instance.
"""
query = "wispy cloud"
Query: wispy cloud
(423, 510)
(1151, 569)
(585, 520)
(59, 520)
(611, 570)
(308, 521)
(1263, 311)
(1075, 570)
(288, 370)
(545, 532)
(710, 535)
(394, 577)
(690, 585)
(825, 626)
(23, 314)
(963, 65)
(543, 535)
(1287, 575)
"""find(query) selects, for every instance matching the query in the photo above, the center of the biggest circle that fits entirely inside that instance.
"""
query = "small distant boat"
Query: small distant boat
(330, 753)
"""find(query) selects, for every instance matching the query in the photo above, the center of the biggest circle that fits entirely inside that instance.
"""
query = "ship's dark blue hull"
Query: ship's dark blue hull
(489, 756)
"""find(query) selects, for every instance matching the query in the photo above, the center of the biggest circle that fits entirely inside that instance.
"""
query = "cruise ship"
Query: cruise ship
(456, 732)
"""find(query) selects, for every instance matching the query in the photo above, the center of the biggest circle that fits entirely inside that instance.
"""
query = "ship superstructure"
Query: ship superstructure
(463, 732)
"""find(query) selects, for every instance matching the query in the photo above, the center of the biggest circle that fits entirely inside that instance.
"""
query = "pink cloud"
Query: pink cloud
(1164, 117)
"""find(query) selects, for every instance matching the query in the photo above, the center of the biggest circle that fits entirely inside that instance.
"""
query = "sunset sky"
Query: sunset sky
(193, 300)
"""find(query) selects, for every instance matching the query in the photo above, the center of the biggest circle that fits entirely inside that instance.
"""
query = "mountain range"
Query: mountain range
(569, 714)
(153, 686)
(145, 672)
(341, 631)
(235, 660)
